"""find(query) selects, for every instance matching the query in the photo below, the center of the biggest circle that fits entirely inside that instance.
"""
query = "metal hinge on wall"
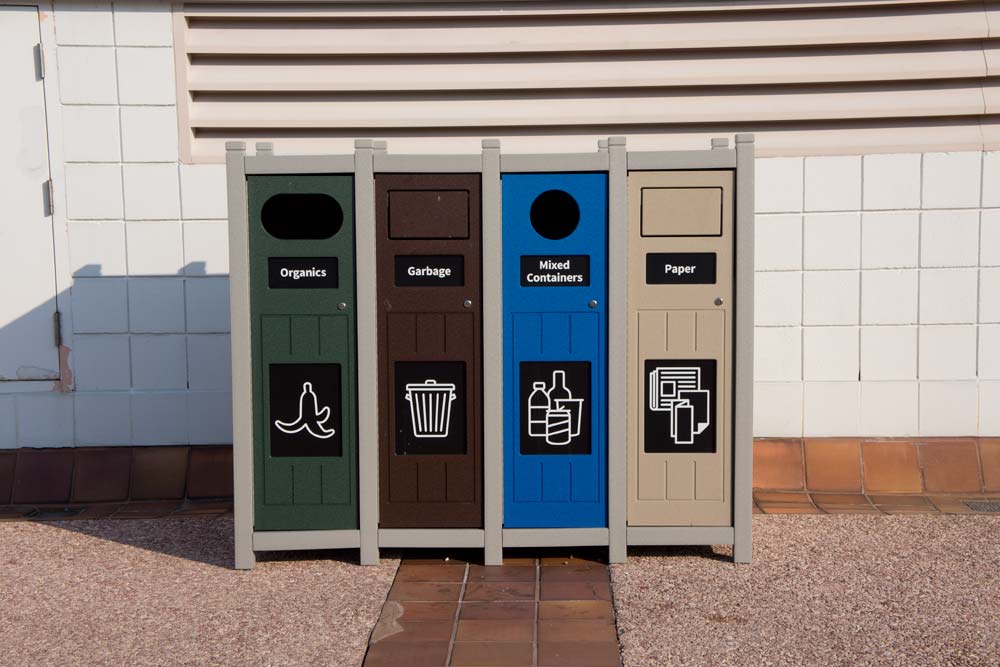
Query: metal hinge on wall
(40, 56)
(50, 194)
(57, 327)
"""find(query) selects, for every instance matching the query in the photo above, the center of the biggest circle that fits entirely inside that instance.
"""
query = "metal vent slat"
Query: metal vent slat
(991, 505)
(856, 75)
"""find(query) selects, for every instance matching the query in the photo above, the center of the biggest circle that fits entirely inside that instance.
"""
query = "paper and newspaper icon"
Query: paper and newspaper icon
(677, 390)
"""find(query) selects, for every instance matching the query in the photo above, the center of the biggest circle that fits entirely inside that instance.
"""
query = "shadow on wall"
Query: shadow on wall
(148, 364)
(144, 360)
(28, 347)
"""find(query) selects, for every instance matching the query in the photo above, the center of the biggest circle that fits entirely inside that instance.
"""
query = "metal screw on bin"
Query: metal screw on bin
(718, 301)
(593, 303)
(341, 306)
(467, 303)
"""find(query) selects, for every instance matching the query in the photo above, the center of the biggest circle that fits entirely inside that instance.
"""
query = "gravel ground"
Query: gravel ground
(833, 590)
(162, 592)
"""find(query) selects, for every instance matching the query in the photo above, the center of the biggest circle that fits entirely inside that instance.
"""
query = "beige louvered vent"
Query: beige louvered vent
(808, 77)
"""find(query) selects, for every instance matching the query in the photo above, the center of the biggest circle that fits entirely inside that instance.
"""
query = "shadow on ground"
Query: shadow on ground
(163, 592)
(209, 540)
(719, 553)
(200, 539)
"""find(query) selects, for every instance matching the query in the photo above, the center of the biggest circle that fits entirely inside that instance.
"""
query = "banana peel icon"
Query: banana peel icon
(311, 417)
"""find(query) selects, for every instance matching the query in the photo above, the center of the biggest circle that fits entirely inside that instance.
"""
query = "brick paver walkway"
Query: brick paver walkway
(529, 612)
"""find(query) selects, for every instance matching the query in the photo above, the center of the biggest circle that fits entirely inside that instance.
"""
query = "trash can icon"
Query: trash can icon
(430, 408)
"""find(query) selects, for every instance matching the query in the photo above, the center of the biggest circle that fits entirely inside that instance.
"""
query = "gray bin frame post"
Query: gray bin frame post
(238, 165)
(492, 354)
(367, 318)
(599, 161)
(617, 348)
(385, 162)
(242, 394)
(744, 334)
(740, 160)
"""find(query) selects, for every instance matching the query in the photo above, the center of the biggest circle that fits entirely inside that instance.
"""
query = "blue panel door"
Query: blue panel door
(555, 350)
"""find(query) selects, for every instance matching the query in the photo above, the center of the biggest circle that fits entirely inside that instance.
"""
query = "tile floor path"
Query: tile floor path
(530, 612)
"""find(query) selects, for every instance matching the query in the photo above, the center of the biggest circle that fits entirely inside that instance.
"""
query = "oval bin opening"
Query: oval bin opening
(292, 216)
(555, 214)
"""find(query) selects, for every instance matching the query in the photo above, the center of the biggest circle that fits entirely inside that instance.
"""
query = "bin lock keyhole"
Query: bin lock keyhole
(718, 301)
(593, 303)
(467, 303)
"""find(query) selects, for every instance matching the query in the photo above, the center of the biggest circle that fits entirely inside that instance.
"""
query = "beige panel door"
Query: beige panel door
(680, 348)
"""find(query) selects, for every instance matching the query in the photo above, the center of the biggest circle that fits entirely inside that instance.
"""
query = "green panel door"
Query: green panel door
(302, 306)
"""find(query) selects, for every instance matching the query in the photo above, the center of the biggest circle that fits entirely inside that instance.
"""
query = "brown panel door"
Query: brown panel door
(429, 256)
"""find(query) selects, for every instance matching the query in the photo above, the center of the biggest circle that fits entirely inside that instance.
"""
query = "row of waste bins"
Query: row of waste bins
(491, 350)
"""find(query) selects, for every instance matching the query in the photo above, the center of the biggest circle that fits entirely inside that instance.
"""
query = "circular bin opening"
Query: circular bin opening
(292, 216)
(555, 214)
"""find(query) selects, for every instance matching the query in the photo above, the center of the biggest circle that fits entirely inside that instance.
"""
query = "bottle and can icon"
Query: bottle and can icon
(553, 413)
(538, 408)
(560, 427)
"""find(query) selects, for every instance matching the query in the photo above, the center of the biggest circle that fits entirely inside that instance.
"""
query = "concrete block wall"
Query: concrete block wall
(878, 295)
(878, 276)
(147, 239)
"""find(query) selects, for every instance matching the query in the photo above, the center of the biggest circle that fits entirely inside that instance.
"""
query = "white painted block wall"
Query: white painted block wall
(878, 295)
(878, 276)
(147, 248)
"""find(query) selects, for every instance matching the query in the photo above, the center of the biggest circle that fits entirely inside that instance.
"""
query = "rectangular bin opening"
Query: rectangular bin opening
(425, 214)
(681, 211)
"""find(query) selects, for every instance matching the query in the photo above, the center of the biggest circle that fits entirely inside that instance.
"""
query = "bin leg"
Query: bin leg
(243, 545)
(493, 555)
(245, 560)
(369, 553)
